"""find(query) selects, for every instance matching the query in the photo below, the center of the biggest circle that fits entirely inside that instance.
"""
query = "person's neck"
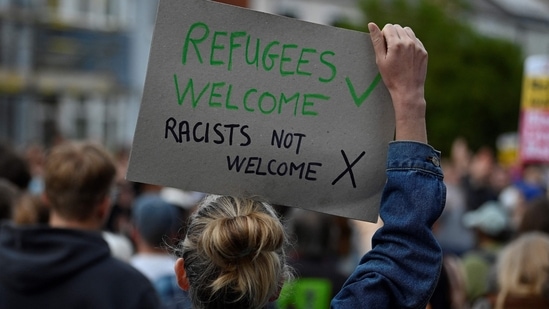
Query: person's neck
(146, 248)
(60, 222)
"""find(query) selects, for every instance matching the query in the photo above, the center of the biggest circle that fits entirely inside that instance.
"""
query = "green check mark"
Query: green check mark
(360, 99)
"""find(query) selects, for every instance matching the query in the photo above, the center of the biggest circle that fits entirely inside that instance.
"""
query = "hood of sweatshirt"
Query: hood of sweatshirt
(36, 257)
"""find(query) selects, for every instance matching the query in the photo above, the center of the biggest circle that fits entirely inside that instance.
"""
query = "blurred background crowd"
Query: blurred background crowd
(488, 207)
(75, 70)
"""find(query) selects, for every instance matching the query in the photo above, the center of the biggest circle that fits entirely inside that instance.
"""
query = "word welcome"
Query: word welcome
(254, 165)
(233, 134)
(238, 49)
(219, 133)
(220, 95)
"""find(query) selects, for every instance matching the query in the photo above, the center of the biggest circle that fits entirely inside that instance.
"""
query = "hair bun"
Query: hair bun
(241, 238)
(234, 253)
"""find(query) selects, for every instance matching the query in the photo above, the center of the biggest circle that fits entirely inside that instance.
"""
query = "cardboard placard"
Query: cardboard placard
(245, 103)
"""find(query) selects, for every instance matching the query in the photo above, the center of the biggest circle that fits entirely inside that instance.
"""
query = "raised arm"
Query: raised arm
(402, 269)
(402, 62)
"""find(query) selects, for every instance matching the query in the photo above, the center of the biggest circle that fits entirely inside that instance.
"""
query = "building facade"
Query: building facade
(67, 70)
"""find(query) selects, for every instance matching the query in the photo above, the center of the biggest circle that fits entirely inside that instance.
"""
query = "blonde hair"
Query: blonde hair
(523, 267)
(234, 253)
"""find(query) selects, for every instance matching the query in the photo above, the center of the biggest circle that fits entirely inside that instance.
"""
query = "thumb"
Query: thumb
(378, 40)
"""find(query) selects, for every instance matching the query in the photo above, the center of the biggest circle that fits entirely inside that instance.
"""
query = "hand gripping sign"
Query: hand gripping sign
(245, 103)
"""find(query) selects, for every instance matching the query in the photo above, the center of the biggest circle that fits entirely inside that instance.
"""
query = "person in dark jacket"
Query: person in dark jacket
(68, 264)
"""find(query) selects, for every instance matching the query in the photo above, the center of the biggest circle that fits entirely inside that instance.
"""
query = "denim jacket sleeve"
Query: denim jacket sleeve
(403, 267)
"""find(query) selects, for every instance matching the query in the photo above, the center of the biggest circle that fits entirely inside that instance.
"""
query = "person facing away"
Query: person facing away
(233, 254)
(535, 217)
(522, 275)
(490, 223)
(8, 198)
(68, 264)
(156, 224)
(315, 261)
(13, 167)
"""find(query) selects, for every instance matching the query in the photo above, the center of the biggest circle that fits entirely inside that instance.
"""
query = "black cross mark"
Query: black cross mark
(349, 168)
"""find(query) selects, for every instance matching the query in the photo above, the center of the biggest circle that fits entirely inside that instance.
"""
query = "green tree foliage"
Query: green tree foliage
(473, 83)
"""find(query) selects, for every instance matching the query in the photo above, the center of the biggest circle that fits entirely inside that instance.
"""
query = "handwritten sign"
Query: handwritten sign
(246, 103)
(534, 123)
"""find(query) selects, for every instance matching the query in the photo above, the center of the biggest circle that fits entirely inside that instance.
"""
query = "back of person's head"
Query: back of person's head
(14, 167)
(234, 254)
(313, 232)
(8, 197)
(154, 219)
(535, 217)
(30, 209)
(78, 176)
(522, 267)
(490, 219)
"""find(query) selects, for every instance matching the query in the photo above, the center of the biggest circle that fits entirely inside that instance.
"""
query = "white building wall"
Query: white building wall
(125, 125)
(68, 110)
(95, 113)
(141, 39)
(320, 12)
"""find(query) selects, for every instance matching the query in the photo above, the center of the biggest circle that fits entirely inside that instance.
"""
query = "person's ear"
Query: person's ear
(104, 208)
(181, 275)
(275, 296)
(134, 233)
(44, 199)
(277, 293)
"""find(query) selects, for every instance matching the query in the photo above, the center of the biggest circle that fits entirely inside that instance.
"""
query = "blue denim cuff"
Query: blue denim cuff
(413, 155)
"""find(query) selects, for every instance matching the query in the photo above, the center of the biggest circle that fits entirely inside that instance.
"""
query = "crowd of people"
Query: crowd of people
(75, 232)
(491, 207)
